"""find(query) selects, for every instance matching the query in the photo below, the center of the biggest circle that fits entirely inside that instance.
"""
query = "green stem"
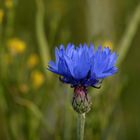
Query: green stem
(80, 126)
(41, 37)
(129, 35)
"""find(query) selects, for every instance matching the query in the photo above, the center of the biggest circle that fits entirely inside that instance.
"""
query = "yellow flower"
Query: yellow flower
(16, 46)
(1, 15)
(109, 44)
(33, 60)
(9, 3)
(37, 78)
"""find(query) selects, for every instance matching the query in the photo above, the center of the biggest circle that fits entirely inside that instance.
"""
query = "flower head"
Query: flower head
(9, 3)
(16, 46)
(37, 78)
(83, 65)
(108, 44)
(33, 60)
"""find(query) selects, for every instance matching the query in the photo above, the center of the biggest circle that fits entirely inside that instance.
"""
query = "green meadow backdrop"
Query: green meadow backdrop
(34, 105)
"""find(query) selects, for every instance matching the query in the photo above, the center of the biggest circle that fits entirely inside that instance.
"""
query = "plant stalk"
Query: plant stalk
(80, 126)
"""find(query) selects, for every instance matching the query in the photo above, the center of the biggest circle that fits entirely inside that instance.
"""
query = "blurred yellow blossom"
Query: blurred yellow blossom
(37, 78)
(16, 46)
(23, 88)
(109, 44)
(1, 15)
(33, 60)
(9, 3)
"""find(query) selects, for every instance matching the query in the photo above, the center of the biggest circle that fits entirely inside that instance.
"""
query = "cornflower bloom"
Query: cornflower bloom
(82, 67)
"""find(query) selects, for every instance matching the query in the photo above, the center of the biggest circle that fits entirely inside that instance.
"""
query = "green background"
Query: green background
(45, 112)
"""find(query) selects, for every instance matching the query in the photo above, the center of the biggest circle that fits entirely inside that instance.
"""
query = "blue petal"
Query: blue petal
(82, 65)
(56, 55)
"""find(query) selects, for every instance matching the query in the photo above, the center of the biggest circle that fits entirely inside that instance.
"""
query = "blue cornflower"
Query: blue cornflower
(83, 65)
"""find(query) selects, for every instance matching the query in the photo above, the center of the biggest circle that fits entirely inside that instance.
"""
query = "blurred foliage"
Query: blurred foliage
(34, 105)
